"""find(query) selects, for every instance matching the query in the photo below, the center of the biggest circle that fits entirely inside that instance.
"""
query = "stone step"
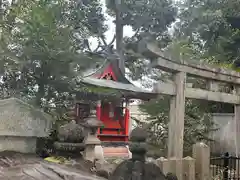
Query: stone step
(113, 137)
(117, 152)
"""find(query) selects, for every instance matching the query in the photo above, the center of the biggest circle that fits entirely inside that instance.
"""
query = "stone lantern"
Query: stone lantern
(70, 139)
(93, 149)
(137, 168)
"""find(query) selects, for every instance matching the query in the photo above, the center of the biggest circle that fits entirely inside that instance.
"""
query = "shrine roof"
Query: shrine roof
(95, 77)
(118, 89)
(107, 65)
(113, 84)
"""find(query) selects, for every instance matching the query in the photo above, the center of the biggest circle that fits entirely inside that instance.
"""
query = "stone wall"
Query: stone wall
(225, 136)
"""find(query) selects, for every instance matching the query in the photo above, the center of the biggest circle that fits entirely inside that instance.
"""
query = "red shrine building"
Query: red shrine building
(114, 113)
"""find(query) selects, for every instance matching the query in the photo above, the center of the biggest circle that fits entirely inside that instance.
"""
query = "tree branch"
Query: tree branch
(135, 34)
(103, 40)
(99, 45)
(105, 44)
(112, 41)
(86, 44)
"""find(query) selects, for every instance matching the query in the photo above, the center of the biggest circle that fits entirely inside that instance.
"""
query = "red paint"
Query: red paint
(109, 122)
(98, 111)
(108, 70)
(115, 129)
(126, 117)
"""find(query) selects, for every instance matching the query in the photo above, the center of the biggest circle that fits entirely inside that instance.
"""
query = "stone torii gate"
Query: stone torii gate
(179, 89)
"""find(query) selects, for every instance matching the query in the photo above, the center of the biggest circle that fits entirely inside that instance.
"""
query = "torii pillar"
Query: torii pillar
(176, 125)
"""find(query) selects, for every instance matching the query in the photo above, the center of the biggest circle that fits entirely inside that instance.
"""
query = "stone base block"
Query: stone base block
(18, 144)
(99, 153)
(164, 165)
(89, 153)
(129, 153)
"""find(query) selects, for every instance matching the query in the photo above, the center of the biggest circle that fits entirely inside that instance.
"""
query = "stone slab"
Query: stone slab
(18, 118)
(18, 144)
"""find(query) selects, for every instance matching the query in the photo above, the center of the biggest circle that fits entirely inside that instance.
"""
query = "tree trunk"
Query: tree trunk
(119, 36)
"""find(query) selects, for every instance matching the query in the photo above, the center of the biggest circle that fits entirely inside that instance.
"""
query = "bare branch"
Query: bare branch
(104, 44)
(135, 34)
(99, 45)
(112, 41)
(86, 44)
(103, 40)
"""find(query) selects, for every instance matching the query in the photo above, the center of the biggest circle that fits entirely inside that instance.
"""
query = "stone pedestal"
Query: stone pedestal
(99, 154)
(176, 167)
(201, 153)
(189, 168)
(21, 125)
(70, 140)
(163, 164)
(68, 149)
(18, 144)
(91, 143)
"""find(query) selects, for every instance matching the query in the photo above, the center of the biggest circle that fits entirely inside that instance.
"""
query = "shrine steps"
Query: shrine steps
(116, 152)
(113, 137)
(115, 145)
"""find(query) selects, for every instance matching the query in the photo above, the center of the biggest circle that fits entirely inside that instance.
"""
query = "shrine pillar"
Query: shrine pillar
(98, 109)
(126, 118)
(130, 125)
(98, 113)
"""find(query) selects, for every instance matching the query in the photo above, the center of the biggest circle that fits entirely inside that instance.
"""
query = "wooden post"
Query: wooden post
(176, 125)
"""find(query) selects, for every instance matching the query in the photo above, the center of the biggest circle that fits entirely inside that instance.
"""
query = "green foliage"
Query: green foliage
(206, 31)
(198, 122)
(148, 19)
(44, 49)
(43, 46)
(215, 25)
(152, 17)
